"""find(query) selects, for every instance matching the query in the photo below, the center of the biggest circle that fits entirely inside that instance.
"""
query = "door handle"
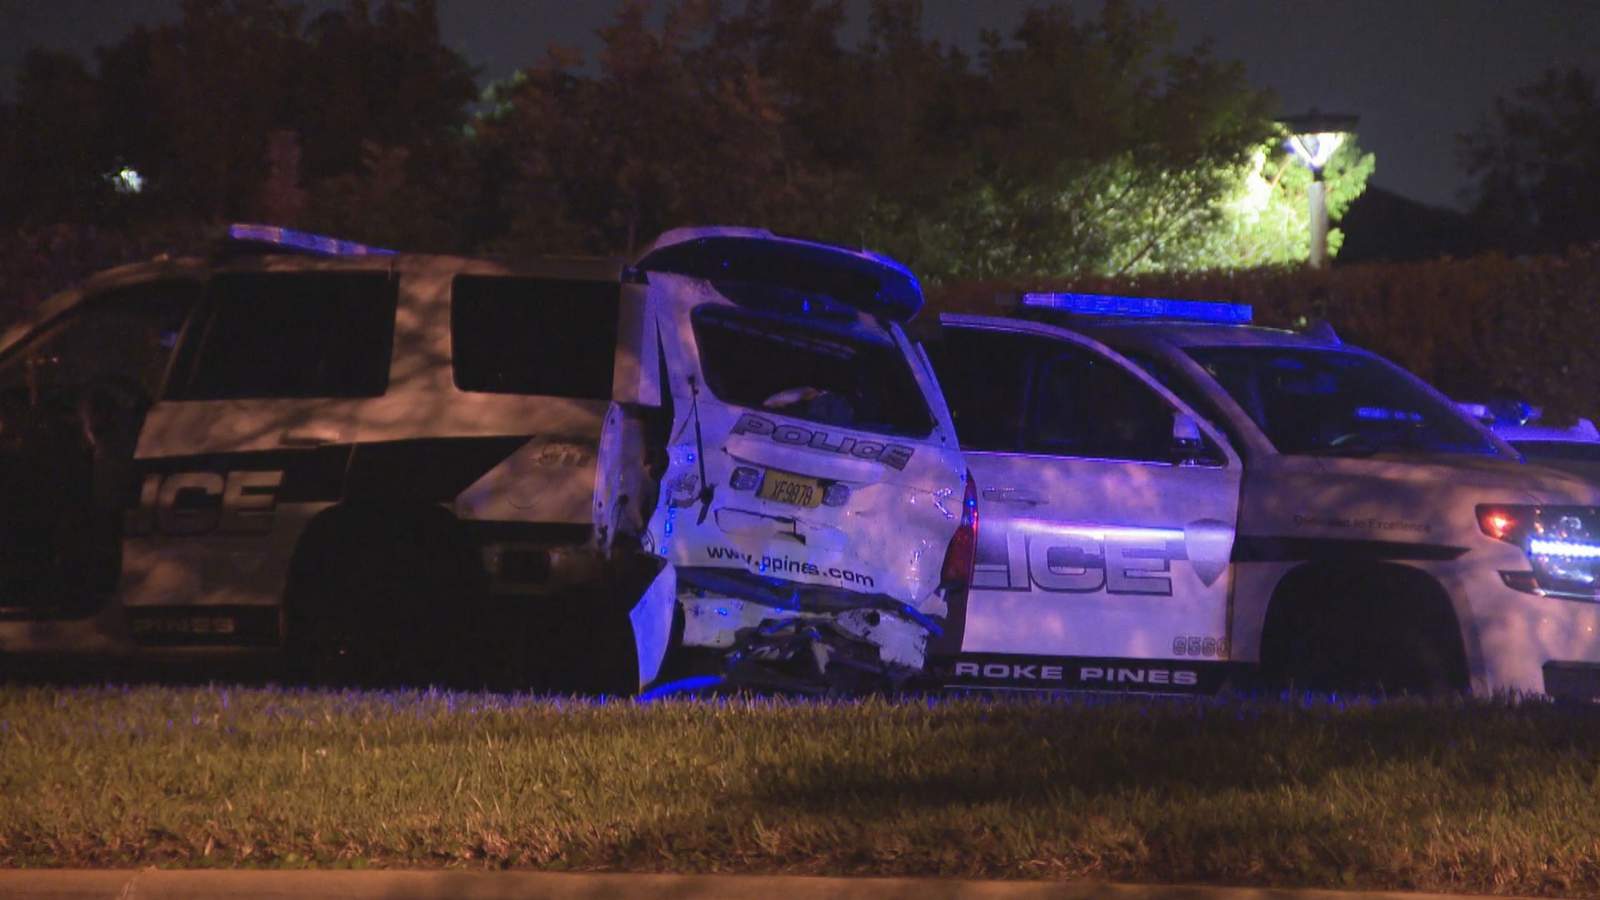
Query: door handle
(1012, 495)
(309, 437)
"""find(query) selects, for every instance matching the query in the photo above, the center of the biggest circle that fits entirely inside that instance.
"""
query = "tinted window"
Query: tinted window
(1334, 402)
(834, 372)
(534, 336)
(1083, 404)
(984, 376)
(1179, 383)
(126, 334)
(317, 334)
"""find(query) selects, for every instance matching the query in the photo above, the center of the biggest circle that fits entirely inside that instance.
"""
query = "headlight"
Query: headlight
(1562, 544)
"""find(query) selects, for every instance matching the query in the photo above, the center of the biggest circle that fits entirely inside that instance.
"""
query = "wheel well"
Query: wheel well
(340, 532)
(1334, 600)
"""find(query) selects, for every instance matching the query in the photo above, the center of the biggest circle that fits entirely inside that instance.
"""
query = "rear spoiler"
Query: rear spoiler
(855, 278)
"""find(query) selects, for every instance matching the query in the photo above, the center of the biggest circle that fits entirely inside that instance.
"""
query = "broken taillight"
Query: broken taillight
(962, 554)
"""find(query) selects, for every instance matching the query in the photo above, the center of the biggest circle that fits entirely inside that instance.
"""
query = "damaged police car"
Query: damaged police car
(1174, 499)
(396, 466)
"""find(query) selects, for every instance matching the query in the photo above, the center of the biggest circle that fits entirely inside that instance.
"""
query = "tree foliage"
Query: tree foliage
(231, 109)
(1535, 160)
(1074, 143)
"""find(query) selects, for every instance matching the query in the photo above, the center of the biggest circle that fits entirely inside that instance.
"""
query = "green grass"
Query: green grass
(1467, 796)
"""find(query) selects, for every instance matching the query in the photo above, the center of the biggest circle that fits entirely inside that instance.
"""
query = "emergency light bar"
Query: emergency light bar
(1113, 307)
(304, 241)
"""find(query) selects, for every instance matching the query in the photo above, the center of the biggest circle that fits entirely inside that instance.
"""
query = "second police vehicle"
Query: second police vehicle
(1172, 499)
(409, 466)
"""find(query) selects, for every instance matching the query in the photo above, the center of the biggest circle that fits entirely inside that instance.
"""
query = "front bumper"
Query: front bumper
(1524, 643)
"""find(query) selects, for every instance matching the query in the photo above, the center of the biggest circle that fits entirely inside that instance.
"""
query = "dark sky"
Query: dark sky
(1417, 72)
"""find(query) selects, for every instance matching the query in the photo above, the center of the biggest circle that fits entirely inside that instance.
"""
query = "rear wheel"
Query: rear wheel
(386, 600)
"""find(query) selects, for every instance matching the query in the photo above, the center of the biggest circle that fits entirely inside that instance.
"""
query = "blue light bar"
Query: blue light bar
(301, 240)
(1111, 306)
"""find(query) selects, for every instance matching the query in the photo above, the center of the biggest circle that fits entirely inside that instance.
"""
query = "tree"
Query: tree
(1089, 145)
(669, 132)
(1536, 160)
(54, 163)
(1076, 145)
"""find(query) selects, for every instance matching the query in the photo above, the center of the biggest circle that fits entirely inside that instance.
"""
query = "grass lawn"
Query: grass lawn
(1466, 796)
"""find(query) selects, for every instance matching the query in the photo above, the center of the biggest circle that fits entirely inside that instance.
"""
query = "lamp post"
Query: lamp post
(1313, 138)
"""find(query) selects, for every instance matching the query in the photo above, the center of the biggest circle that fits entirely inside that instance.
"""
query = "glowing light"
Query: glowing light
(301, 240)
(1112, 306)
(127, 180)
(1498, 525)
(1567, 549)
(1317, 148)
(682, 686)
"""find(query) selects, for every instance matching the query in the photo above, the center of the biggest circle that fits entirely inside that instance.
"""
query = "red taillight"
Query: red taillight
(962, 554)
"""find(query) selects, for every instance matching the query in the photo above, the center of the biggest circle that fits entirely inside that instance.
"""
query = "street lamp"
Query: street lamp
(1312, 139)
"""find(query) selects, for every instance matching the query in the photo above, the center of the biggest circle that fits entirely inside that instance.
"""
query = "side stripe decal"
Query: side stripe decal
(1259, 548)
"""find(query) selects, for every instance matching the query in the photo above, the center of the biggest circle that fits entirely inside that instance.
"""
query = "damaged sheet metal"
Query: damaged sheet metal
(812, 486)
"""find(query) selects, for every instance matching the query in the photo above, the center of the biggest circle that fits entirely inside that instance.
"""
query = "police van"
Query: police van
(409, 467)
(1173, 499)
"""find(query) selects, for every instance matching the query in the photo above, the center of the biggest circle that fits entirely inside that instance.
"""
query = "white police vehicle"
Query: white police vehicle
(395, 465)
(1574, 448)
(1171, 498)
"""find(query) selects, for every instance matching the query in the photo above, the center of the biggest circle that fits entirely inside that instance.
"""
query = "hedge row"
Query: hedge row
(1489, 326)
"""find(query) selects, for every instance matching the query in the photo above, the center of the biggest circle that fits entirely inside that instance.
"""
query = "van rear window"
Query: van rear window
(290, 334)
(540, 336)
(832, 373)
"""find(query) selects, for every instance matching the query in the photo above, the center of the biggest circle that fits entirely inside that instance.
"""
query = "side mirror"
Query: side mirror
(1188, 444)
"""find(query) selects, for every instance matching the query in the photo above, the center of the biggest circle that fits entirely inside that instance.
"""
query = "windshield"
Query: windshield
(1332, 402)
(836, 373)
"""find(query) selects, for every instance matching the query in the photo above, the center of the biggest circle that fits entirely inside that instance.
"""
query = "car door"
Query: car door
(1101, 538)
(251, 437)
(73, 397)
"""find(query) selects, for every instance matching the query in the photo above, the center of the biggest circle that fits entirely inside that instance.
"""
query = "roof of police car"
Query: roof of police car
(194, 267)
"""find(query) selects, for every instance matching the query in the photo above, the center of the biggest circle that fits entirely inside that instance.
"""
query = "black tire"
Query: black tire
(386, 599)
(1379, 632)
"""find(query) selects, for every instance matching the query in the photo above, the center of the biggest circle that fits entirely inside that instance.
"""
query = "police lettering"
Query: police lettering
(892, 455)
(203, 502)
(1119, 675)
(1078, 563)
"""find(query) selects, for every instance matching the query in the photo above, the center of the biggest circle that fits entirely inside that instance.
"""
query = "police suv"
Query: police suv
(424, 467)
(1574, 448)
(1172, 498)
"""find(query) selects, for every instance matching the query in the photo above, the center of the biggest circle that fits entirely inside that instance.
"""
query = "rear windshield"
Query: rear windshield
(833, 373)
(1336, 403)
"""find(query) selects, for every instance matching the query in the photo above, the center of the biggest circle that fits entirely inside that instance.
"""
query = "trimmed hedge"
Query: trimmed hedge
(1476, 328)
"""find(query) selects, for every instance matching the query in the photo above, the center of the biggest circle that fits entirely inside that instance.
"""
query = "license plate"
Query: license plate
(785, 487)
